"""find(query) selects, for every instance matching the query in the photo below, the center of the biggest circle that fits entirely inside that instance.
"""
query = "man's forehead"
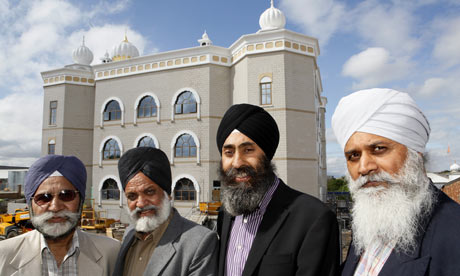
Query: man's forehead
(141, 181)
(236, 138)
(364, 139)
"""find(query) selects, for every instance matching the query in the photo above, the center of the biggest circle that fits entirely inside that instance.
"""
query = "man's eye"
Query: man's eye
(149, 192)
(228, 152)
(379, 148)
(353, 156)
(131, 196)
(249, 150)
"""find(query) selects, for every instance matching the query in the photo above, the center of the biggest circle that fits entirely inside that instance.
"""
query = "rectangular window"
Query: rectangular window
(51, 148)
(266, 93)
(53, 111)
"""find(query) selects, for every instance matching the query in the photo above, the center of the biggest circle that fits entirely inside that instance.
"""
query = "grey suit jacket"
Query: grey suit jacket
(21, 255)
(185, 248)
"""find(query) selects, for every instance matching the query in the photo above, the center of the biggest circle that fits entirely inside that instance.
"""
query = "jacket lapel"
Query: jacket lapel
(225, 233)
(89, 256)
(28, 257)
(165, 250)
(351, 262)
(273, 218)
(128, 240)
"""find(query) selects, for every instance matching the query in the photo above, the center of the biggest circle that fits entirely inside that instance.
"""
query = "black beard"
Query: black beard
(242, 198)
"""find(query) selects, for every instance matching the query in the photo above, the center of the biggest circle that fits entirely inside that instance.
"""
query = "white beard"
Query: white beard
(147, 224)
(391, 215)
(55, 230)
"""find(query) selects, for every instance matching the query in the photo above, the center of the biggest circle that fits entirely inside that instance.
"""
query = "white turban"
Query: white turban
(384, 112)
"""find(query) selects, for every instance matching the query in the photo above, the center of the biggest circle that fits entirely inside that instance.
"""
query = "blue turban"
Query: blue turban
(68, 166)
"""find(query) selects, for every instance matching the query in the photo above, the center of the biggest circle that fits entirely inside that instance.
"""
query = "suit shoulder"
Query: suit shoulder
(102, 242)
(194, 228)
(306, 202)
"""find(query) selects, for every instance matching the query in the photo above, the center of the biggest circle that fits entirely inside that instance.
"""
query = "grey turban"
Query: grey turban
(384, 112)
(68, 166)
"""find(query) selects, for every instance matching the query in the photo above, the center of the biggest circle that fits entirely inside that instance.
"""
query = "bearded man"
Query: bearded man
(55, 191)
(402, 224)
(267, 228)
(160, 241)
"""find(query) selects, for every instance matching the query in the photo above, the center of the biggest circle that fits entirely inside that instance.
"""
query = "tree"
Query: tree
(337, 184)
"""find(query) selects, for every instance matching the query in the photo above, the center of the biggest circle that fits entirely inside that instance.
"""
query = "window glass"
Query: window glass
(53, 112)
(51, 148)
(110, 190)
(111, 150)
(266, 93)
(147, 107)
(112, 111)
(146, 142)
(184, 190)
(185, 146)
(186, 103)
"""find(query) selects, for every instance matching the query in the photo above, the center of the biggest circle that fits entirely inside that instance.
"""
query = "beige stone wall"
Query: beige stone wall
(211, 82)
(73, 131)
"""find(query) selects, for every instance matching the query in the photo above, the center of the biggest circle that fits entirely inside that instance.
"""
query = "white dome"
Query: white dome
(272, 19)
(124, 50)
(455, 167)
(82, 55)
(204, 41)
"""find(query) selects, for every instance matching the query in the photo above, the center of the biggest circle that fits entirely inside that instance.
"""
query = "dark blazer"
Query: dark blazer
(438, 245)
(298, 235)
(185, 248)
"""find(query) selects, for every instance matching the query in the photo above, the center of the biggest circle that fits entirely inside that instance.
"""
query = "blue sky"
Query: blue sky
(411, 46)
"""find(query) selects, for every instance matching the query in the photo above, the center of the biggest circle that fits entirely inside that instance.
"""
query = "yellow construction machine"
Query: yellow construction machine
(95, 220)
(12, 225)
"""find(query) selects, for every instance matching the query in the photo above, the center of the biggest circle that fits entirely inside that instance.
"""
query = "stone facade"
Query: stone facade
(218, 77)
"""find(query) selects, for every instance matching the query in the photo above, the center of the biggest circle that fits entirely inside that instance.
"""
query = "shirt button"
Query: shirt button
(239, 247)
(140, 258)
(245, 220)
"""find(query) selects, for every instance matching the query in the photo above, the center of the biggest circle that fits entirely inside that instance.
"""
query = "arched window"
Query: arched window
(147, 107)
(110, 190)
(146, 141)
(265, 91)
(52, 146)
(185, 103)
(185, 146)
(112, 111)
(111, 150)
(184, 190)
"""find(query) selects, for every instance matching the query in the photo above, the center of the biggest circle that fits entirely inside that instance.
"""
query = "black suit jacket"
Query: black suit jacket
(298, 235)
(438, 245)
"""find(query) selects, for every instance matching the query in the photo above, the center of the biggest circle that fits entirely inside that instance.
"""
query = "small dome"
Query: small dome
(272, 19)
(82, 55)
(455, 167)
(124, 50)
(204, 41)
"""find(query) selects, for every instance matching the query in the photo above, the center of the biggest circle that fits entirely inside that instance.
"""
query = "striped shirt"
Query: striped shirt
(373, 259)
(68, 266)
(243, 232)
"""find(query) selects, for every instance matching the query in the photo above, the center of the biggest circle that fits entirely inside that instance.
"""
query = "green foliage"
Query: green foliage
(337, 184)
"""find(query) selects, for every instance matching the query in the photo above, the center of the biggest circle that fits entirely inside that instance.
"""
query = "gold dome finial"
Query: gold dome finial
(126, 37)
(271, 2)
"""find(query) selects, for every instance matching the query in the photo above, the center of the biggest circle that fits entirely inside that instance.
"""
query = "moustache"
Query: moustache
(376, 177)
(65, 214)
(243, 171)
(138, 210)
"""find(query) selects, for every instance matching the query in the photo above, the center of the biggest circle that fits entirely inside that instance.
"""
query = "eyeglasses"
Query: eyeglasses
(63, 195)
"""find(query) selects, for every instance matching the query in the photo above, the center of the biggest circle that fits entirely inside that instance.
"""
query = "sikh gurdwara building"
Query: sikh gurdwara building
(175, 100)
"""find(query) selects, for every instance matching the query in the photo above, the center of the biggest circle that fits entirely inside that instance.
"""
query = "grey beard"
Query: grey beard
(148, 224)
(244, 198)
(391, 215)
(57, 230)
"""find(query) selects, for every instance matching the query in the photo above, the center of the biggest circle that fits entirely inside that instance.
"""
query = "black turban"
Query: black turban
(254, 122)
(150, 161)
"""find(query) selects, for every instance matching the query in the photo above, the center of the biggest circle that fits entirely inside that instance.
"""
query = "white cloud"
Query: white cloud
(39, 36)
(375, 66)
(20, 128)
(320, 19)
(447, 45)
(390, 26)
(433, 86)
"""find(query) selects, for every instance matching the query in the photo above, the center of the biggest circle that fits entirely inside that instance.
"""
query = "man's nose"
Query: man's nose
(367, 164)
